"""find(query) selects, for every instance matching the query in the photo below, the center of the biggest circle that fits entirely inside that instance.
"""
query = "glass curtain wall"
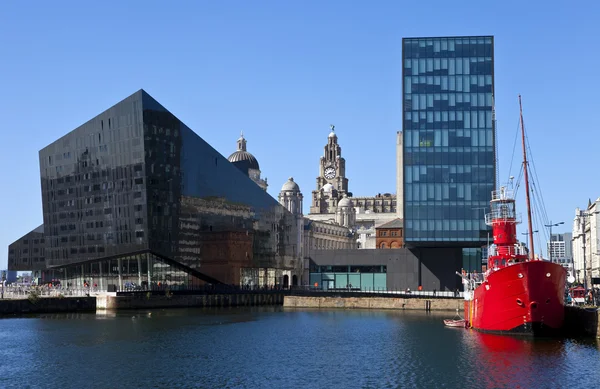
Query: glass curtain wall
(449, 140)
(364, 278)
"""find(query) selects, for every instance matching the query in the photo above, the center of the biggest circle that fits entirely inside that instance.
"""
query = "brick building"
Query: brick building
(390, 235)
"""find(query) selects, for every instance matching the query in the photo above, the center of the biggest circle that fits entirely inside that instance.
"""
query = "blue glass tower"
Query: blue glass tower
(449, 140)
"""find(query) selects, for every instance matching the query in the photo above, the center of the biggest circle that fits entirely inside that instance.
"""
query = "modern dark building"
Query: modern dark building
(381, 270)
(28, 252)
(135, 197)
(448, 142)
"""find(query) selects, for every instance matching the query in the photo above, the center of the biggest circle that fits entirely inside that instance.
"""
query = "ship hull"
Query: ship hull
(525, 298)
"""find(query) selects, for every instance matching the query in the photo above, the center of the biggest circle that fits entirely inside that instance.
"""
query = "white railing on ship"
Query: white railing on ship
(503, 194)
(501, 215)
(507, 250)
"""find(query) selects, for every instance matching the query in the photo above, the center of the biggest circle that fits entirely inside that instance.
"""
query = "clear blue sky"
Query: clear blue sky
(282, 71)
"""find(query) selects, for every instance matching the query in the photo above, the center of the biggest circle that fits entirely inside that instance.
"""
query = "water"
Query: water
(280, 348)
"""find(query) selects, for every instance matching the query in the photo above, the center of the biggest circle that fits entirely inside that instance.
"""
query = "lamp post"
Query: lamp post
(526, 233)
(550, 227)
(582, 216)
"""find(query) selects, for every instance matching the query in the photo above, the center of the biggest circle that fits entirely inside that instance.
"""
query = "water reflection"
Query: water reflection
(511, 361)
(263, 347)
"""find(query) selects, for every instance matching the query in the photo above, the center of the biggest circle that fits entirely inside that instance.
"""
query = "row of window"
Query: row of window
(447, 174)
(459, 156)
(478, 43)
(348, 269)
(478, 65)
(447, 192)
(34, 241)
(443, 139)
(375, 202)
(458, 101)
(397, 233)
(445, 225)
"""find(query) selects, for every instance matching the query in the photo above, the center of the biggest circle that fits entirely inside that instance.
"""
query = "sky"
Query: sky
(282, 72)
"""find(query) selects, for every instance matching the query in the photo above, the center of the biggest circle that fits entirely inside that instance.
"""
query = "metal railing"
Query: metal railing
(383, 292)
(516, 249)
(499, 215)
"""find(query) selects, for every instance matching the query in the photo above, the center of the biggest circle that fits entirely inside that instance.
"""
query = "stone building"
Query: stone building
(332, 183)
(586, 243)
(333, 203)
(314, 234)
(247, 163)
(389, 235)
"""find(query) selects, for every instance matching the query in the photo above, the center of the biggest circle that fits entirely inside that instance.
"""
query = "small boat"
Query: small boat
(455, 323)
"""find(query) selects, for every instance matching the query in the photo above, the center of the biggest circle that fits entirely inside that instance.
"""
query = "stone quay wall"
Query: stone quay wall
(425, 304)
(111, 302)
(47, 305)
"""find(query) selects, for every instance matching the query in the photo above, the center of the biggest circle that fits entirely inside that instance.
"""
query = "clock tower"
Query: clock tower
(332, 183)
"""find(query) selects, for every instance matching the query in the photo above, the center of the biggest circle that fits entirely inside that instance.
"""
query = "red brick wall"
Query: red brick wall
(389, 238)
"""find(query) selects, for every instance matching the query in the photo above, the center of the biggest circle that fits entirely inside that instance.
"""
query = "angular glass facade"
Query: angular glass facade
(27, 253)
(135, 185)
(449, 139)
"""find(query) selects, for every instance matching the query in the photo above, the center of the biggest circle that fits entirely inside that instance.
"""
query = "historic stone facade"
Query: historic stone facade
(333, 203)
(390, 235)
(314, 234)
(332, 183)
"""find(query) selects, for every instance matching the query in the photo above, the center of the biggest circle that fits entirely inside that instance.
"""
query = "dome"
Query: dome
(327, 187)
(345, 202)
(332, 135)
(290, 185)
(244, 159)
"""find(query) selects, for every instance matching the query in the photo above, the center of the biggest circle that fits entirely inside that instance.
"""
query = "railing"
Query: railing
(516, 249)
(382, 292)
(501, 215)
(503, 194)
(45, 292)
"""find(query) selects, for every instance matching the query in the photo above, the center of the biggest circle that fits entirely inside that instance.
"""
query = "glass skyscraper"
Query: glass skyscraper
(449, 140)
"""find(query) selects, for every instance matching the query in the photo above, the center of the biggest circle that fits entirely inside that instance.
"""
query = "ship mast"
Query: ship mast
(525, 168)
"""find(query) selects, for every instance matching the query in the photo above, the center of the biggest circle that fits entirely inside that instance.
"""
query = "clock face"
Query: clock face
(330, 173)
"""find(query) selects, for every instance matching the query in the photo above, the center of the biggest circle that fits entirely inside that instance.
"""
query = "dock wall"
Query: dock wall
(47, 305)
(427, 304)
(110, 302)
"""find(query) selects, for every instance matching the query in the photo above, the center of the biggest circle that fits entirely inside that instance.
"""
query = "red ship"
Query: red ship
(518, 293)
